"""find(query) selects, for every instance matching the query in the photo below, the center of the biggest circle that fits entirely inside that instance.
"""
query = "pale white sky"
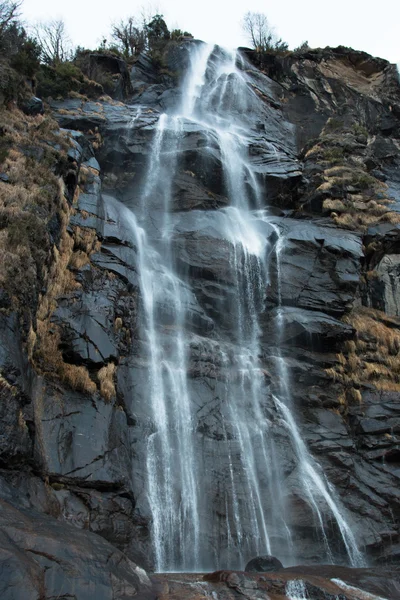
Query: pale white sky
(373, 26)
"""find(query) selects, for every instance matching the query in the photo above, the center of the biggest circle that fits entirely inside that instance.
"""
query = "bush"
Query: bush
(334, 124)
(11, 83)
(59, 80)
(18, 50)
(364, 181)
(178, 34)
(5, 145)
(334, 155)
(26, 60)
(360, 130)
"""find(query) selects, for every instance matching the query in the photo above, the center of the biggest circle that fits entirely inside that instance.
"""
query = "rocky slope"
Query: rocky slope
(74, 424)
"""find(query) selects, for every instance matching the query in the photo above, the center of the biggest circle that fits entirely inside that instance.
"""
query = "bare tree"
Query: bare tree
(54, 41)
(130, 35)
(9, 13)
(260, 33)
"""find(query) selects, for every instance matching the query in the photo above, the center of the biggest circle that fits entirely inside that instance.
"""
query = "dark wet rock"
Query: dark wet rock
(384, 290)
(40, 555)
(318, 81)
(33, 106)
(190, 194)
(88, 455)
(86, 329)
(117, 259)
(15, 439)
(92, 164)
(263, 564)
(82, 140)
(144, 70)
(100, 64)
(319, 267)
(77, 114)
(310, 328)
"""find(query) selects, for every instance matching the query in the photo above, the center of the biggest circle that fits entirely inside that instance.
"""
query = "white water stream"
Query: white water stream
(253, 520)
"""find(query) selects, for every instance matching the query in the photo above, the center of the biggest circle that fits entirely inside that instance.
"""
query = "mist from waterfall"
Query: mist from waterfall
(252, 503)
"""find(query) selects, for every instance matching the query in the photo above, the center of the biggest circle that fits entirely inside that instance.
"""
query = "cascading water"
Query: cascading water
(194, 526)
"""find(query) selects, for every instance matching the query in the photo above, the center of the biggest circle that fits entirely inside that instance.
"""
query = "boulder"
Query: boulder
(264, 564)
(33, 106)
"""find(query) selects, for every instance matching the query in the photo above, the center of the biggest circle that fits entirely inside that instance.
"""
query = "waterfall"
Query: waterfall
(315, 487)
(219, 512)
(295, 589)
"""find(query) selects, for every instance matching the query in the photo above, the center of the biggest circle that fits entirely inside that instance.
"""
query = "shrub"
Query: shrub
(59, 80)
(26, 60)
(5, 145)
(333, 155)
(360, 130)
(333, 124)
(363, 181)
(11, 83)
(178, 34)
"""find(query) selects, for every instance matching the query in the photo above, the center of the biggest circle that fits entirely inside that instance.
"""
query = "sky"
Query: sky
(362, 24)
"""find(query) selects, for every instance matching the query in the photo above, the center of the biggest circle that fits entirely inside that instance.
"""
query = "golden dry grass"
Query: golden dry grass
(86, 240)
(33, 195)
(373, 357)
(106, 380)
(28, 200)
(358, 200)
(48, 359)
(78, 260)
(118, 324)
(44, 343)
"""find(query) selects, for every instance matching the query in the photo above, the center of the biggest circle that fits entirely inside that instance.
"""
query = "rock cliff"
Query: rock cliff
(74, 410)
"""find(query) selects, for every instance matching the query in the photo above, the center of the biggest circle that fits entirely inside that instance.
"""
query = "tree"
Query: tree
(22, 51)
(157, 32)
(303, 47)
(54, 41)
(178, 34)
(9, 14)
(260, 33)
(130, 35)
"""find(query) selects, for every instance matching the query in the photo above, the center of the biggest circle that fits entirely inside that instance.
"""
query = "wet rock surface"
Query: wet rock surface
(74, 516)
(325, 582)
(42, 557)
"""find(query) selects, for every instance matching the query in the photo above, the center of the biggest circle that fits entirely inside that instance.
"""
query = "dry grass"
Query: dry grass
(60, 279)
(28, 201)
(29, 261)
(106, 380)
(44, 343)
(334, 205)
(48, 359)
(118, 324)
(361, 221)
(356, 199)
(86, 240)
(373, 357)
(78, 260)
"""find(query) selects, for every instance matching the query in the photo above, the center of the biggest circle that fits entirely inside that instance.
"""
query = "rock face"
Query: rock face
(72, 459)
(40, 553)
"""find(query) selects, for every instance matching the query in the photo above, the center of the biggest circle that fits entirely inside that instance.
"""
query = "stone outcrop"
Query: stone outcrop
(72, 451)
